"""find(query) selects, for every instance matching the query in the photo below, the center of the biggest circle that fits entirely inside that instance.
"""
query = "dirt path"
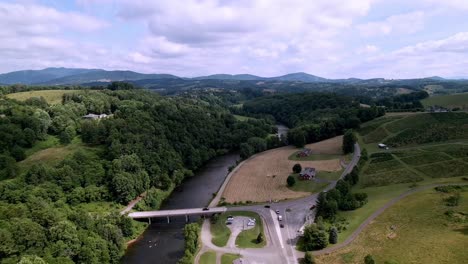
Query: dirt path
(375, 215)
(132, 203)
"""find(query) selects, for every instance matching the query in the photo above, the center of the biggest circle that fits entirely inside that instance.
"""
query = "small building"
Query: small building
(382, 146)
(94, 116)
(307, 173)
(304, 153)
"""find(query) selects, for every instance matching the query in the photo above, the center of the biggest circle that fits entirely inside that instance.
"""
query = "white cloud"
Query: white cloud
(443, 57)
(397, 24)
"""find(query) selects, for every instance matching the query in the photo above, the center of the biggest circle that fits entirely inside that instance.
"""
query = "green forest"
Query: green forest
(66, 210)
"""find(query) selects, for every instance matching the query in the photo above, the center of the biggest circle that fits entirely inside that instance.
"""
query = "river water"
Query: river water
(164, 243)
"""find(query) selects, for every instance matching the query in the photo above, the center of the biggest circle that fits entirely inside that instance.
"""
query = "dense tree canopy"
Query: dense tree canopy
(148, 143)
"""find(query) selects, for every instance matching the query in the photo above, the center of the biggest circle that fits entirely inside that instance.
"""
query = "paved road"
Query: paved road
(281, 241)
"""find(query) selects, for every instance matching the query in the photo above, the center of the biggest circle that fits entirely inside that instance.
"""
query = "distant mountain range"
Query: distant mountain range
(75, 76)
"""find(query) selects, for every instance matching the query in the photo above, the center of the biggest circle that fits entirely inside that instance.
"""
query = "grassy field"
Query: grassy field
(50, 153)
(389, 173)
(51, 96)
(246, 239)
(242, 118)
(449, 101)
(312, 186)
(314, 156)
(49, 142)
(208, 257)
(421, 228)
(229, 258)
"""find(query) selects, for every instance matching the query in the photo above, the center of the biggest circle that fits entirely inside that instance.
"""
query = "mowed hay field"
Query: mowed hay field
(417, 229)
(263, 176)
(450, 101)
(51, 96)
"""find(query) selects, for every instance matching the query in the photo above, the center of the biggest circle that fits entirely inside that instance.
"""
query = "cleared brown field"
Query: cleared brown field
(263, 176)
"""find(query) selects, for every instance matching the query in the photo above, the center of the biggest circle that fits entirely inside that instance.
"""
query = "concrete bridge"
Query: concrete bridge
(177, 212)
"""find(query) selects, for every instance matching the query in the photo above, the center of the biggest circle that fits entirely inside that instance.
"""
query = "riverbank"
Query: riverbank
(165, 242)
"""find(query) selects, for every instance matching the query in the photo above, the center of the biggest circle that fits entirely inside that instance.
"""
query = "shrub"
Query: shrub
(291, 181)
(260, 238)
(333, 236)
(309, 258)
(453, 200)
(297, 168)
(314, 238)
(369, 260)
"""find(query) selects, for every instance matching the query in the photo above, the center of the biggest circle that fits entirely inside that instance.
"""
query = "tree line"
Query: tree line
(150, 143)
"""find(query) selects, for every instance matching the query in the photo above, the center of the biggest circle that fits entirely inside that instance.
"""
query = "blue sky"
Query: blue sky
(329, 38)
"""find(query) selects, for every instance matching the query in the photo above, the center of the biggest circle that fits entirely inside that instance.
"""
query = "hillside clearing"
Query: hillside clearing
(448, 101)
(263, 177)
(51, 96)
(415, 230)
(55, 154)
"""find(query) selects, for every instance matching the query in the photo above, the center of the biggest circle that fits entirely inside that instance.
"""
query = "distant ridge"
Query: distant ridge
(77, 76)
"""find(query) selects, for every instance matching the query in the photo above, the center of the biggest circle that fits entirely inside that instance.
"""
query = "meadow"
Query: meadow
(51, 96)
(420, 228)
(449, 101)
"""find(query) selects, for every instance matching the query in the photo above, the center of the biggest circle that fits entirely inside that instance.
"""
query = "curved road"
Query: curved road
(281, 241)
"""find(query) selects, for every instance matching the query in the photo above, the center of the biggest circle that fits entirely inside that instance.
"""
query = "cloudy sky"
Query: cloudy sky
(329, 38)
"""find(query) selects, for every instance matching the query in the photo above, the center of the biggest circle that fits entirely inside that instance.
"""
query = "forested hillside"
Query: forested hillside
(313, 116)
(65, 209)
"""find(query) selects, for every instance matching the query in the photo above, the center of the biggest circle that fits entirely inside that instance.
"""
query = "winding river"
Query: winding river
(164, 243)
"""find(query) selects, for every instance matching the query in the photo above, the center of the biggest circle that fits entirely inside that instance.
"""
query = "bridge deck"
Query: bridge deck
(177, 212)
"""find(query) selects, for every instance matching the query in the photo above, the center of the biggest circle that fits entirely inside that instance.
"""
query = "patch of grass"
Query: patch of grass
(454, 150)
(53, 155)
(246, 239)
(452, 168)
(208, 257)
(407, 153)
(374, 124)
(307, 185)
(329, 175)
(422, 234)
(229, 258)
(49, 142)
(242, 118)
(376, 136)
(314, 157)
(383, 166)
(380, 157)
(425, 158)
(390, 177)
(347, 257)
(449, 101)
(51, 96)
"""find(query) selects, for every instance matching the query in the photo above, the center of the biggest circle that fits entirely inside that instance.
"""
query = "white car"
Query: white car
(280, 218)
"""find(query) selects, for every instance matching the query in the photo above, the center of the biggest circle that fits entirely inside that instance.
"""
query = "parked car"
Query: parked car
(206, 209)
(230, 218)
(313, 207)
(281, 225)
(267, 206)
(277, 211)
(280, 218)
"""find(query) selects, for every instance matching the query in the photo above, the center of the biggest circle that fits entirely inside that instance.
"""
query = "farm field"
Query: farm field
(448, 101)
(389, 173)
(267, 171)
(51, 96)
(411, 232)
